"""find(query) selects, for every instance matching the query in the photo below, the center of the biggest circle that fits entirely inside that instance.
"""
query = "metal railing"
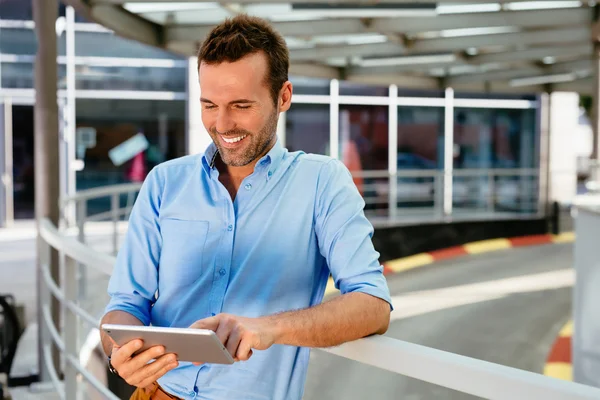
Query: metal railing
(468, 375)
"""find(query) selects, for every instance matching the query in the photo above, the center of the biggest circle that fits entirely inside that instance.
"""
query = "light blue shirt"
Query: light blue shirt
(191, 252)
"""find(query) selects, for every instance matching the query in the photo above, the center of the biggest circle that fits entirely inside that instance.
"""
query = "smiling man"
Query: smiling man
(242, 239)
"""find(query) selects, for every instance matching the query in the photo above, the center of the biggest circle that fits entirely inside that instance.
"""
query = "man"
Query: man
(241, 240)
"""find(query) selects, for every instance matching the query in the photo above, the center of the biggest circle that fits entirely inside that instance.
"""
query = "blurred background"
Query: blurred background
(470, 129)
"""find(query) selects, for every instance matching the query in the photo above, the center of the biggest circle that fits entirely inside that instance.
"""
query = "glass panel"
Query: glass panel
(20, 75)
(420, 93)
(495, 138)
(310, 85)
(307, 128)
(486, 142)
(420, 138)
(364, 137)
(420, 155)
(357, 89)
(161, 122)
(131, 78)
(16, 9)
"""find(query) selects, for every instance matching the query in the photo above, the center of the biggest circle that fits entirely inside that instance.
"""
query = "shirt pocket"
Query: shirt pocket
(182, 251)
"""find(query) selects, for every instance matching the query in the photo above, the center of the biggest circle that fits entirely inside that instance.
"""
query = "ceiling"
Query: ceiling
(494, 46)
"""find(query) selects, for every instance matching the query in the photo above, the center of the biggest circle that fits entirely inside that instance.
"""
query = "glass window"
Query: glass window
(364, 137)
(307, 128)
(494, 138)
(304, 85)
(364, 143)
(131, 78)
(420, 93)
(486, 141)
(420, 155)
(115, 121)
(358, 89)
(420, 138)
(16, 9)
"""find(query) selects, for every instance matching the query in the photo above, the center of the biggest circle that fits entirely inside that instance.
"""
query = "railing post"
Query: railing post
(70, 329)
(491, 203)
(81, 220)
(114, 208)
(43, 299)
(438, 195)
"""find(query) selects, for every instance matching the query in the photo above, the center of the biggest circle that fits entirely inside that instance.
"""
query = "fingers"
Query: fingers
(153, 371)
(233, 341)
(139, 361)
(244, 351)
(121, 354)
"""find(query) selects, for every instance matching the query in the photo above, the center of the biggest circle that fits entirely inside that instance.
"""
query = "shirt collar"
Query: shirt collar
(273, 158)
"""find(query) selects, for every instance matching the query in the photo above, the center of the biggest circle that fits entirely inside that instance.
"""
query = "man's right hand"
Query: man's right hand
(137, 370)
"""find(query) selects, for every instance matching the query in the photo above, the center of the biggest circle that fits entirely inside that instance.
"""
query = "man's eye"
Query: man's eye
(209, 107)
(243, 107)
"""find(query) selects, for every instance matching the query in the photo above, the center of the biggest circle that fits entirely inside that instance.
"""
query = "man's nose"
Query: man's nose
(224, 122)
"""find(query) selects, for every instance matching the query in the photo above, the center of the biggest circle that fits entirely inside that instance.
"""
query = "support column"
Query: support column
(46, 145)
(197, 138)
(595, 158)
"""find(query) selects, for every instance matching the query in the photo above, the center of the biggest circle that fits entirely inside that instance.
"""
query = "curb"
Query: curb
(485, 246)
(559, 362)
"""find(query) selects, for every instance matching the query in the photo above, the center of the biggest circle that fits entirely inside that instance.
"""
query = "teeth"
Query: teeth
(233, 140)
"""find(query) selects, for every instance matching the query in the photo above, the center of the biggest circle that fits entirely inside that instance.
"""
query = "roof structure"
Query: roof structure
(501, 46)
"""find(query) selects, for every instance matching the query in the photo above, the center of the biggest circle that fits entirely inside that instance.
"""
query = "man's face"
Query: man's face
(237, 108)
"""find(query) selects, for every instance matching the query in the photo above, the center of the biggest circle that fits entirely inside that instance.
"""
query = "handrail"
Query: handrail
(103, 191)
(74, 249)
(485, 379)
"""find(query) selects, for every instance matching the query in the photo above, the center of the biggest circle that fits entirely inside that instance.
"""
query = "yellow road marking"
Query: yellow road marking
(485, 246)
(406, 263)
(559, 370)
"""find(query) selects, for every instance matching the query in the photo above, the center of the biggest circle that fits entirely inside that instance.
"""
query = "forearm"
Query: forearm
(345, 318)
(115, 317)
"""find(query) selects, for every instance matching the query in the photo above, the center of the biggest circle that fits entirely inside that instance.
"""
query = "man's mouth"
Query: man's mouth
(233, 139)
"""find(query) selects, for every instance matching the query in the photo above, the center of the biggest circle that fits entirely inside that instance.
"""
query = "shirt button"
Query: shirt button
(270, 174)
(248, 186)
(222, 272)
(230, 228)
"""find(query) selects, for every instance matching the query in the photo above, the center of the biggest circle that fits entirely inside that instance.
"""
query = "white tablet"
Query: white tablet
(194, 345)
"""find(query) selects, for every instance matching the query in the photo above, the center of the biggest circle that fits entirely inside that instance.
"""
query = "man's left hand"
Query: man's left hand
(240, 334)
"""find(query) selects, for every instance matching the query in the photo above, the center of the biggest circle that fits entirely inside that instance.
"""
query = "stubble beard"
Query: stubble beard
(255, 147)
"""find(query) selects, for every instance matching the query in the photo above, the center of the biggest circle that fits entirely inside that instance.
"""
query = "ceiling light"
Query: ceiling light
(407, 60)
(549, 60)
(541, 5)
(468, 8)
(477, 31)
(472, 51)
(360, 10)
(542, 80)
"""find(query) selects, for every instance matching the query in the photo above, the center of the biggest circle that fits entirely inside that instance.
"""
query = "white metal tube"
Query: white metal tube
(114, 208)
(334, 119)
(448, 150)
(71, 325)
(393, 151)
(70, 109)
(467, 375)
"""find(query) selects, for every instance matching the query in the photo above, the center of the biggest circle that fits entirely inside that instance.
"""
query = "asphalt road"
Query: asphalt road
(510, 312)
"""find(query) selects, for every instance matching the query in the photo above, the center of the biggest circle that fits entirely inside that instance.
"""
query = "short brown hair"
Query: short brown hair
(242, 35)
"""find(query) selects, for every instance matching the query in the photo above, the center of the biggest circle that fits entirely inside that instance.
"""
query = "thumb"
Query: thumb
(211, 323)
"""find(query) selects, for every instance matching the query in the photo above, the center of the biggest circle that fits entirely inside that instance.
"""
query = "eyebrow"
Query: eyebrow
(238, 101)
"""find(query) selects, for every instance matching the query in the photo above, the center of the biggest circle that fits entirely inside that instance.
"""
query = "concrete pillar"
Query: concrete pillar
(197, 138)
(46, 144)
(564, 121)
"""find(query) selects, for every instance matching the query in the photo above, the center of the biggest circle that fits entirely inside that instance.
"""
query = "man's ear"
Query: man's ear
(285, 97)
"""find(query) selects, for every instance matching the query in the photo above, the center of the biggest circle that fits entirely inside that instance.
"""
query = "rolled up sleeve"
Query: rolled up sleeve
(345, 234)
(134, 281)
